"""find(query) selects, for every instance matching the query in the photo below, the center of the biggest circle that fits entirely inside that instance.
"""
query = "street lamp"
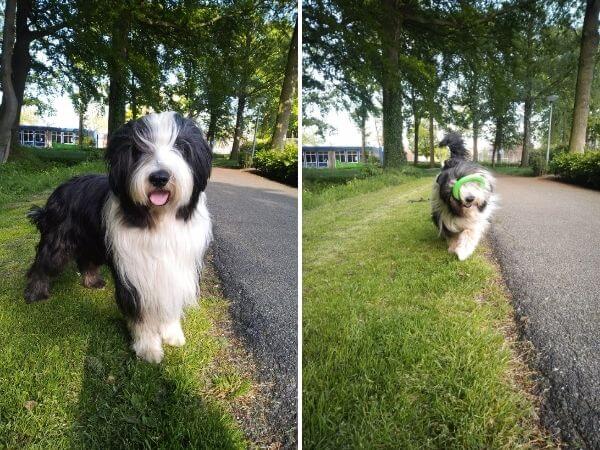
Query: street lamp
(258, 110)
(551, 99)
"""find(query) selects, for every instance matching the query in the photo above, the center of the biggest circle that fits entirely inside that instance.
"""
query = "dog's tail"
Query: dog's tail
(37, 216)
(455, 143)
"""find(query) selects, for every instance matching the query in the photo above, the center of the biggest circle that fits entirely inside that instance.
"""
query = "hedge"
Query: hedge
(578, 168)
(279, 165)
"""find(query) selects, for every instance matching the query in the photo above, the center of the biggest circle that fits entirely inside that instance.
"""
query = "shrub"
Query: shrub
(537, 159)
(579, 168)
(279, 165)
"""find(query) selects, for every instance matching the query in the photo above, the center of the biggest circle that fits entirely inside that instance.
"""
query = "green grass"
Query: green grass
(402, 347)
(320, 186)
(224, 161)
(67, 376)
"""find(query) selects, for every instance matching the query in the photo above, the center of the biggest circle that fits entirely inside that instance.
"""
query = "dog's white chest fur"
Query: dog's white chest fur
(162, 263)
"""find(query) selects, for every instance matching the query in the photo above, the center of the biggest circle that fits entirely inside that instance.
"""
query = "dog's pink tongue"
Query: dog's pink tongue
(159, 198)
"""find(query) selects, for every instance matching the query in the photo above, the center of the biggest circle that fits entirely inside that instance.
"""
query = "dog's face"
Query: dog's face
(158, 164)
(473, 194)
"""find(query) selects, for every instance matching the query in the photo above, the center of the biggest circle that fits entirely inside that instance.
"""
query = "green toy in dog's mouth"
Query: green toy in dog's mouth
(467, 179)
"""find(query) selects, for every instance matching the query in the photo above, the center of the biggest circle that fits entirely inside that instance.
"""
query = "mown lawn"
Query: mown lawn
(402, 344)
(67, 376)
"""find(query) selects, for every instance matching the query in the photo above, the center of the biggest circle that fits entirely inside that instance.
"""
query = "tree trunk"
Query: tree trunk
(497, 142)
(288, 90)
(526, 130)
(117, 91)
(363, 135)
(239, 128)
(212, 129)
(394, 155)
(475, 137)
(82, 109)
(585, 75)
(133, 95)
(21, 59)
(417, 126)
(8, 108)
(431, 142)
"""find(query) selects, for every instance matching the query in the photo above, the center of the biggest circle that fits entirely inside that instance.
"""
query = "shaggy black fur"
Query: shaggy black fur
(71, 224)
(457, 166)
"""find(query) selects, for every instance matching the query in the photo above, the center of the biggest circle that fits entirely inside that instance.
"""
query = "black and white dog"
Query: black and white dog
(463, 199)
(147, 220)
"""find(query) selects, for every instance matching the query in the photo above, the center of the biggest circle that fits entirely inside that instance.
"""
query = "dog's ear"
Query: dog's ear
(198, 154)
(120, 159)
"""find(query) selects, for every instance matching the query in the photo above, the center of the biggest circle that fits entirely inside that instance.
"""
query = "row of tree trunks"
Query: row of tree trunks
(8, 108)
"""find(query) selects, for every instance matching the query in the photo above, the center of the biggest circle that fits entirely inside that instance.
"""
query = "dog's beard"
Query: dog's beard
(473, 195)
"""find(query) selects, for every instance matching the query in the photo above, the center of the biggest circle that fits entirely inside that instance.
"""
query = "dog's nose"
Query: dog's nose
(470, 199)
(159, 178)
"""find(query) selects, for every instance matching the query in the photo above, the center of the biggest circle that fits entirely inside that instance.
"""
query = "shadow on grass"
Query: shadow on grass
(69, 379)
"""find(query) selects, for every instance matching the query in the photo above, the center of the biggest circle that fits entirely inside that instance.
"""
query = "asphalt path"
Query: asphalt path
(547, 239)
(256, 255)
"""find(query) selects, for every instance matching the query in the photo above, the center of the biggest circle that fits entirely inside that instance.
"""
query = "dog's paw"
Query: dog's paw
(97, 283)
(151, 353)
(463, 253)
(36, 294)
(172, 334)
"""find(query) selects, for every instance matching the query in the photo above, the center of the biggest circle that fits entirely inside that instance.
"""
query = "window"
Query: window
(69, 137)
(323, 158)
(40, 138)
(28, 137)
(56, 137)
(310, 159)
(340, 157)
(352, 157)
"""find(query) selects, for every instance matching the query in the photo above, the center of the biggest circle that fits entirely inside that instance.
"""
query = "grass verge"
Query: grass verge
(321, 186)
(403, 345)
(67, 376)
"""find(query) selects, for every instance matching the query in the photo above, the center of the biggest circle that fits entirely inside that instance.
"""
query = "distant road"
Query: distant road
(256, 254)
(547, 237)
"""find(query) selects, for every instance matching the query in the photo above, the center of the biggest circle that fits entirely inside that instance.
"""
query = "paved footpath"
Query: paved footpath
(256, 254)
(547, 238)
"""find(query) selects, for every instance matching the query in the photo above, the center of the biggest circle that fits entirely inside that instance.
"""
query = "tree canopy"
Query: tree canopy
(483, 67)
(196, 57)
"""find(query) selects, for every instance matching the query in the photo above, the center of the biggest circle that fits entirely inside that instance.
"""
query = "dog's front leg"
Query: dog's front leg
(147, 343)
(467, 243)
(172, 333)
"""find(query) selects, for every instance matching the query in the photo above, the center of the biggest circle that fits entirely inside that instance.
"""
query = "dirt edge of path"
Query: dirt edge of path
(249, 410)
(524, 373)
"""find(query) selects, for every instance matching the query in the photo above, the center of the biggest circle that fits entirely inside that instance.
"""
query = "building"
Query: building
(42, 136)
(322, 156)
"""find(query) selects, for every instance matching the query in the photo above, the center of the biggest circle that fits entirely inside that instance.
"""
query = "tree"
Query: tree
(288, 90)
(8, 109)
(585, 76)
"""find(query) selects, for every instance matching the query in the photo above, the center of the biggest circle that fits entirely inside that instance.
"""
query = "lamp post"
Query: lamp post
(258, 110)
(551, 99)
